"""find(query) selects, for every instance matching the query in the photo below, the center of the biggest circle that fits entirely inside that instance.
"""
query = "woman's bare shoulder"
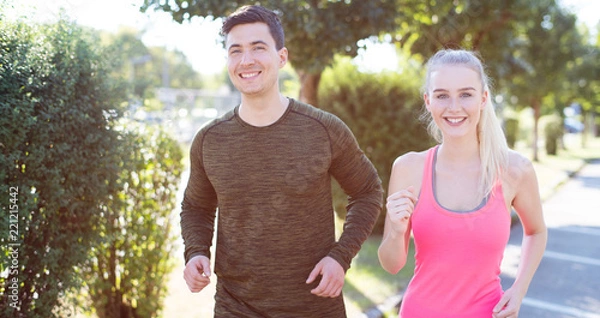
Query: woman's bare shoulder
(519, 173)
(407, 170)
(518, 166)
(410, 160)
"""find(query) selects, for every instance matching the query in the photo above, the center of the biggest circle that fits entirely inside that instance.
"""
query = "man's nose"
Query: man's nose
(247, 58)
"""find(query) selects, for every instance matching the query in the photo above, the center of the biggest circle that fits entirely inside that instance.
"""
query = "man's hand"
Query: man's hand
(332, 278)
(197, 273)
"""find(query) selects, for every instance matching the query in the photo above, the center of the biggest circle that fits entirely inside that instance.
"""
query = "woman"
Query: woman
(456, 198)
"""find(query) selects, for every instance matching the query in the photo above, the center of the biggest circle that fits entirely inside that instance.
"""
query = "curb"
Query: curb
(379, 310)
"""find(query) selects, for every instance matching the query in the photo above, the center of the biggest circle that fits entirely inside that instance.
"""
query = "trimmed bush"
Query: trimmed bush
(383, 112)
(57, 105)
(127, 274)
(511, 130)
(553, 132)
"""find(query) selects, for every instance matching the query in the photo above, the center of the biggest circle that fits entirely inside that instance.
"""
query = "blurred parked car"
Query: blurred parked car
(573, 126)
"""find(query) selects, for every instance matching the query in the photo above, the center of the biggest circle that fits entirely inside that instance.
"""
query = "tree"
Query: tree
(550, 42)
(126, 274)
(521, 42)
(583, 84)
(148, 68)
(487, 27)
(316, 30)
(58, 103)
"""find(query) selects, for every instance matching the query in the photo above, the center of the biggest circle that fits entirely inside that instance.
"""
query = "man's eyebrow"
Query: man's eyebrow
(257, 42)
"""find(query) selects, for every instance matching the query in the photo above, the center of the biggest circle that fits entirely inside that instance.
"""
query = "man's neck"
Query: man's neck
(262, 112)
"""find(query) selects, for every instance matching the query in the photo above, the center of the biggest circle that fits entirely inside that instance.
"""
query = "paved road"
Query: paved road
(567, 283)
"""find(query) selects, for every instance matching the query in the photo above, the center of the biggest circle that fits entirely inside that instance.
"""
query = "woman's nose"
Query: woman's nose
(453, 104)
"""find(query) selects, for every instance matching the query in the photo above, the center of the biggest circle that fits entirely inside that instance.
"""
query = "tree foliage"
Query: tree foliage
(126, 274)
(57, 105)
(550, 43)
(316, 30)
(383, 112)
(521, 41)
(147, 68)
(583, 85)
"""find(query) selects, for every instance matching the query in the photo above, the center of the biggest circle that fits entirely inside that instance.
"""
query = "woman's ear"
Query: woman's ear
(427, 101)
(484, 98)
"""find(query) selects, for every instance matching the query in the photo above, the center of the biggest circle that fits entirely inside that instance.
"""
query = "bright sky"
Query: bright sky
(197, 39)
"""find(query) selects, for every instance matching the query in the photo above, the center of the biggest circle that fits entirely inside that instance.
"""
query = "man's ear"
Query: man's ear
(283, 57)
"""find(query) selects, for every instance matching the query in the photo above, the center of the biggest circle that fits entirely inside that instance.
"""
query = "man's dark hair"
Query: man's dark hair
(254, 14)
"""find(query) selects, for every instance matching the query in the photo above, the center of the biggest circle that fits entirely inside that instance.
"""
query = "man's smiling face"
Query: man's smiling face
(253, 61)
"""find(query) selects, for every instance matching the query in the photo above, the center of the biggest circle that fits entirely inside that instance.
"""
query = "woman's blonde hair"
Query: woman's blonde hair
(493, 149)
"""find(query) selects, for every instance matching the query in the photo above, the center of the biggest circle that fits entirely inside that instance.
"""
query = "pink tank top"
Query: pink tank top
(457, 255)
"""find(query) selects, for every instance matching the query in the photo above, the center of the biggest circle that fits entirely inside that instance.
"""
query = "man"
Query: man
(267, 166)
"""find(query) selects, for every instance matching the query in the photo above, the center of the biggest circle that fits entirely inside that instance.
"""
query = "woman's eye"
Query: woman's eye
(465, 95)
(442, 96)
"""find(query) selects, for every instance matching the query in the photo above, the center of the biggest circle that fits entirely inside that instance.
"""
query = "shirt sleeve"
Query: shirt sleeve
(198, 208)
(359, 179)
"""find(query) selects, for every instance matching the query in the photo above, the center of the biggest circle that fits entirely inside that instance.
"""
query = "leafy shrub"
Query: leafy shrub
(511, 129)
(128, 271)
(383, 112)
(57, 105)
(553, 132)
(88, 199)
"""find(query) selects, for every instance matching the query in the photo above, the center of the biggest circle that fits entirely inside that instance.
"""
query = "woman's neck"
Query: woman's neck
(459, 152)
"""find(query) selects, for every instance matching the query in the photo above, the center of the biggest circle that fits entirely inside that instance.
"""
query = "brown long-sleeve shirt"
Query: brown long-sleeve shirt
(272, 188)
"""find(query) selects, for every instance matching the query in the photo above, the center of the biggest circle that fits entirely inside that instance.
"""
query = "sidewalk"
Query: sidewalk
(566, 282)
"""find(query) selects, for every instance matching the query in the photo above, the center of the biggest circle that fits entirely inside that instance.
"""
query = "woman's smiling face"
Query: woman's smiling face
(455, 98)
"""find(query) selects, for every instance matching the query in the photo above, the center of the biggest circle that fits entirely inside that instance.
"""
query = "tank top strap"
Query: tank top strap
(427, 181)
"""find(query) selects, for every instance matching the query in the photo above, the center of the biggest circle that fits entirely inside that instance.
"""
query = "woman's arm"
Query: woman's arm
(527, 204)
(400, 203)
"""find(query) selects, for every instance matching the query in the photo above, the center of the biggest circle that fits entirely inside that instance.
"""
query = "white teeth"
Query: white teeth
(455, 120)
(247, 75)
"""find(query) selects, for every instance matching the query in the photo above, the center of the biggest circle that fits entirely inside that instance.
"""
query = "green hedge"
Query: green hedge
(383, 112)
(553, 132)
(511, 129)
(86, 197)
(57, 103)
(137, 228)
